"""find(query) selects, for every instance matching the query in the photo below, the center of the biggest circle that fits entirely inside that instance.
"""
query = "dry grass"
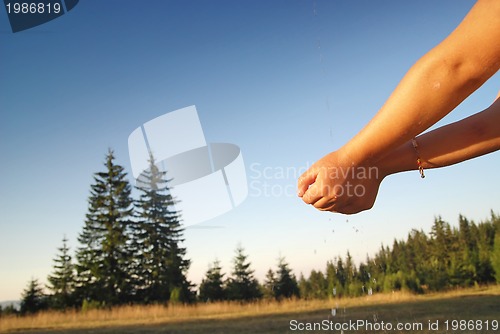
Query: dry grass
(177, 315)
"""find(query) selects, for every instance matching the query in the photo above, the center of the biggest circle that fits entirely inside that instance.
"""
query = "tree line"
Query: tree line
(447, 257)
(130, 252)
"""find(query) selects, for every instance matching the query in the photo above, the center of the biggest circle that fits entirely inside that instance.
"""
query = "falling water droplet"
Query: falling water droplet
(334, 291)
(334, 312)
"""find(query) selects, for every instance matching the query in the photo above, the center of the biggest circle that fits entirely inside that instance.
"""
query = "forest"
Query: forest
(130, 252)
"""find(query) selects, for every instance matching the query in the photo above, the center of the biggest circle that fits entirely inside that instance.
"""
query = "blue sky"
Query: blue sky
(287, 81)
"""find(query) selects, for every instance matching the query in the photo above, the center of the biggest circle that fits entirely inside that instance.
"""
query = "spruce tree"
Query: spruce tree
(485, 242)
(103, 258)
(331, 278)
(341, 275)
(305, 287)
(468, 257)
(495, 256)
(242, 285)
(318, 285)
(420, 246)
(286, 283)
(160, 268)
(62, 279)
(269, 286)
(33, 299)
(10, 310)
(440, 251)
(212, 286)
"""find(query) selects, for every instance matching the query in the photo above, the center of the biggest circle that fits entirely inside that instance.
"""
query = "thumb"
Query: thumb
(305, 180)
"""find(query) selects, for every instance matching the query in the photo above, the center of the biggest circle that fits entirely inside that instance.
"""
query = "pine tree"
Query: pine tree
(350, 268)
(269, 286)
(304, 287)
(318, 285)
(61, 281)
(485, 243)
(286, 283)
(495, 256)
(331, 277)
(467, 249)
(33, 298)
(103, 258)
(212, 286)
(440, 251)
(10, 310)
(160, 269)
(341, 276)
(242, 285)
(418, 243)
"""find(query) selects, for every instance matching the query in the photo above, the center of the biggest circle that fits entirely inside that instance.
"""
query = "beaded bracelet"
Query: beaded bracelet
(419, 161)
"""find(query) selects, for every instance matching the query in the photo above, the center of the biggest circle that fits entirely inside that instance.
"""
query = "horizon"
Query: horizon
(227, 272)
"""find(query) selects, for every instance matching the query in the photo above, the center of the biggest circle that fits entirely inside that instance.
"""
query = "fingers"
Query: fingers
(312, 189)
(313, 194)
(325, 203)
(330, 206)
(306, 180)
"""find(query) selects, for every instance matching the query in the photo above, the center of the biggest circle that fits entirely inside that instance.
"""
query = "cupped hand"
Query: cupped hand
(334, 183)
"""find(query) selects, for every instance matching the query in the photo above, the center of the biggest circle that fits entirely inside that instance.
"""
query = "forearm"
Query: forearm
(471, 137)
(434, 86)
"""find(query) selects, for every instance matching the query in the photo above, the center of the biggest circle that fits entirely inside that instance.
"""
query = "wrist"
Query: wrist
(390, 163)
(353, 156)
(401, 159)
(365, 166)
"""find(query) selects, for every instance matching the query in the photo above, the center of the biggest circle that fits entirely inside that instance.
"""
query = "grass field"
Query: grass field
(482, 305)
